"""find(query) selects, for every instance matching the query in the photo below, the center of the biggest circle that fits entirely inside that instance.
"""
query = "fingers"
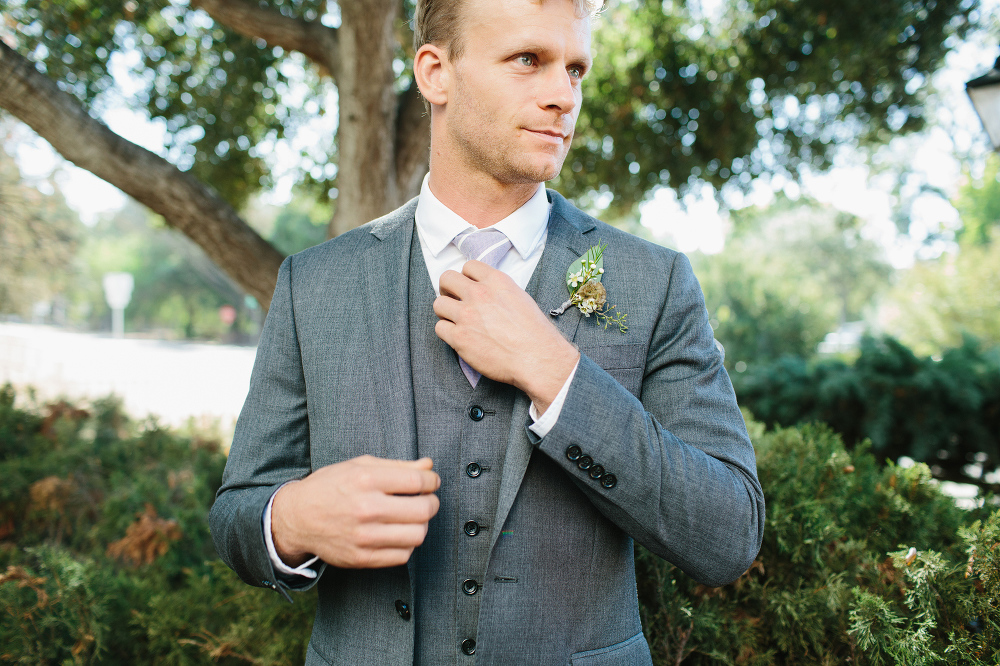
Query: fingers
(478, 271)
(447, 307)
(395, 477)
(452, 284)
(398, 510)
(377, 558)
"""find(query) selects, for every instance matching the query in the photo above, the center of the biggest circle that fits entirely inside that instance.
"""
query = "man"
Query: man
(556, 441)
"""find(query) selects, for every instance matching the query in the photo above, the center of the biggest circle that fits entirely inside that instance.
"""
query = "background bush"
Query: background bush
(106, 559)
(944, 411)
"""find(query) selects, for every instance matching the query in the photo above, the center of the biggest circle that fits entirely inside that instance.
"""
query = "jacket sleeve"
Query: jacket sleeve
(270, 446)
(677, 470)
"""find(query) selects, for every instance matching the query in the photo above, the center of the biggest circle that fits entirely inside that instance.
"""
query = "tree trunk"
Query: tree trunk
(185, 203)
(383, 137)
(366, 178)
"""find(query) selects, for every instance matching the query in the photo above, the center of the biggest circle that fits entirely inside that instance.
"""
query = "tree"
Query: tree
(788, 275)
(178, 291)
(676, 95)
(940, 301)
(39, 236)
(978, 204)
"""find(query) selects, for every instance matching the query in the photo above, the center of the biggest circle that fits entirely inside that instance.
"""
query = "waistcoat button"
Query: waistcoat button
(574, 452)
(469, 646)
(472, 528)
(584, 462)
(403, 609)
(473, 469)
(470, 586)
(476, 413)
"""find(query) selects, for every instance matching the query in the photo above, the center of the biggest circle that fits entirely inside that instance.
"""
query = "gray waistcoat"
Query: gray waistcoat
(464, 431)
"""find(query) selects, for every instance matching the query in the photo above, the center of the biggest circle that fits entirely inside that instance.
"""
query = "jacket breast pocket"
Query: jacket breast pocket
(631, 652)
(626, 363)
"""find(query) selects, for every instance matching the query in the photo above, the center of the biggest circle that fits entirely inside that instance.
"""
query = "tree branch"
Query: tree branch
(311, 38)
(185, 203)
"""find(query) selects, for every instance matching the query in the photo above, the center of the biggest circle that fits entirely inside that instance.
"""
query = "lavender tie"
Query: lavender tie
(488, 246)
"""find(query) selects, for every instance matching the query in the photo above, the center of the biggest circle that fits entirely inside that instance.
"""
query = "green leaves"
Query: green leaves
(590, 266)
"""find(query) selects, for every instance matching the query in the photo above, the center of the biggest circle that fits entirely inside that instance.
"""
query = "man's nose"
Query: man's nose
(559, 92)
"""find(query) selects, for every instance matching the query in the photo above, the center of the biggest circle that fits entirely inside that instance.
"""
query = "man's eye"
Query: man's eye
(526, 60)
(576, 72)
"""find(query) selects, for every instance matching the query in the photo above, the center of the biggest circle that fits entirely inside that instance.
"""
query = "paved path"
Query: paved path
(172, 380)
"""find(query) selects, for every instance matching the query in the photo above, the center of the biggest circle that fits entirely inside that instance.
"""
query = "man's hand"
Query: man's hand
(499, 330)
(362, 513)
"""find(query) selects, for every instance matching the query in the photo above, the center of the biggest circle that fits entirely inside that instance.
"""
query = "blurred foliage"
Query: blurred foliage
(677, 95)
(767, 86)
(835, 580)
(48, 256)
(39, 236)
(789, 274)
(299, 225)
(938, 302)
(105, 553)
(178, 291)
(978, 204)
(944, 412)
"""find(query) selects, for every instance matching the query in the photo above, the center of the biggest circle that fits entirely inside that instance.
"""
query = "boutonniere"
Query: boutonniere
(583, 280)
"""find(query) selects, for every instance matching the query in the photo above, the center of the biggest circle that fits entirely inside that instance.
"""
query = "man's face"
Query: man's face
(515, 94)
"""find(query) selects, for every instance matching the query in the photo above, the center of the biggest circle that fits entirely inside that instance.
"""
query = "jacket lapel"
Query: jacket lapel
(565, 242)
(386, 267)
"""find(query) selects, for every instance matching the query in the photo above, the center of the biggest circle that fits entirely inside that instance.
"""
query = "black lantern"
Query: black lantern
(985, 95)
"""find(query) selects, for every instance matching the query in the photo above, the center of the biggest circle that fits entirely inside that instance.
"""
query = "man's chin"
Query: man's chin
(537, 173)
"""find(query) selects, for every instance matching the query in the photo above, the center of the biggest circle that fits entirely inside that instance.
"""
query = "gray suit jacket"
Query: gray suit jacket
(653, 406)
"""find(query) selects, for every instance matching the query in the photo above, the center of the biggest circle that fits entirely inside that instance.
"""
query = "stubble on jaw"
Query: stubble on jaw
(486, 153)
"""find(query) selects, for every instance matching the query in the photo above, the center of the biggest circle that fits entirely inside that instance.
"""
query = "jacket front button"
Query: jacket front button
(403, 609)
(470, 586)
(473, 469)
(469, 646)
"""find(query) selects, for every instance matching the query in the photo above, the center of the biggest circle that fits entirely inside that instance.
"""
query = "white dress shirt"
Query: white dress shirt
(437, 225)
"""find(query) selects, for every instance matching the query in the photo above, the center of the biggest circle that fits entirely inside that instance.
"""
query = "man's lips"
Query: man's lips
(551, 136)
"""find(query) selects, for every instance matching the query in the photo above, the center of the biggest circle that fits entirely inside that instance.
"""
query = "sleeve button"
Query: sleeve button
(596, 472)
(609, 481)
(584, 462)
(574, 452)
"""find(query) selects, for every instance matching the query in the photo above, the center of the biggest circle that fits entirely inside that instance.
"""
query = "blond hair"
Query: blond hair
(438, 22)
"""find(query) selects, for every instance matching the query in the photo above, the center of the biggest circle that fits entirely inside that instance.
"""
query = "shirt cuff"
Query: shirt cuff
(541, 425)
(272, 552)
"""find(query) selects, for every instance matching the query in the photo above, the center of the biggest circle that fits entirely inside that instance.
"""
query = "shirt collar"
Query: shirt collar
(438, 224)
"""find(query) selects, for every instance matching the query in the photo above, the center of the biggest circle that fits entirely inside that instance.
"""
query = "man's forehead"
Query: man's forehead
(485, 10)
(521, 15)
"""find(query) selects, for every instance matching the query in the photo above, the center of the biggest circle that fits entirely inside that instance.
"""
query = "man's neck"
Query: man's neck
(481, 204)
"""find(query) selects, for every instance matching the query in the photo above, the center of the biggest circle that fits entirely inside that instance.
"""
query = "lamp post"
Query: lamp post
(985, 95)
(118, 293)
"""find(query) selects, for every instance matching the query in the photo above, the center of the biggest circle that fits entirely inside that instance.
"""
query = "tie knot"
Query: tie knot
(486, 245)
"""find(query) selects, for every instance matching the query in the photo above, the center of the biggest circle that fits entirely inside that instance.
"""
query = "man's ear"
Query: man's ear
(432, 71)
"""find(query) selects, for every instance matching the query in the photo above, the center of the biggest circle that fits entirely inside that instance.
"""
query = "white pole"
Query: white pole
(118, 322)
